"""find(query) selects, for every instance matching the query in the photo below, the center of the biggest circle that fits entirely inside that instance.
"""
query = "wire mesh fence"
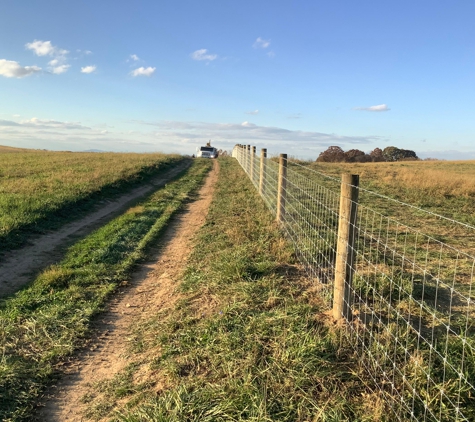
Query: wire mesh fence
(411, 309)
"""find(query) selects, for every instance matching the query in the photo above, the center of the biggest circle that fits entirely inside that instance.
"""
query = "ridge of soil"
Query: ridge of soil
(151, 289)
(19, 267)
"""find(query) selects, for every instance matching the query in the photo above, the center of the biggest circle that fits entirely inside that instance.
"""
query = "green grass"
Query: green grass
(40, 190)
(248, 341)
(43, 324)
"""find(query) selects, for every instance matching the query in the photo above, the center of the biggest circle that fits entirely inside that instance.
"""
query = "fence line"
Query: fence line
(409, 303)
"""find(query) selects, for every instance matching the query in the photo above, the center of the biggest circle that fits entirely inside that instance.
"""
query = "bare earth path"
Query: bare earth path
(19, 267)
(152, 289)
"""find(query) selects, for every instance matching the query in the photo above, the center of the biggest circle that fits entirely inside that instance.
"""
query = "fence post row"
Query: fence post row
(281, 188)
(262, 173)
(253, 156)
(342, 297)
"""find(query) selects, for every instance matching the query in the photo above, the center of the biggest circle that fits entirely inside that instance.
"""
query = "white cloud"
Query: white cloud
(134, 57)
(57, 70)
(380, 107)
(12, 69)
(85, 52)
(203, 55)
(88, 69)
(35, 122)
(43, 124)
(253, 112)
(261, 43)
(45, 48)
(143, 71)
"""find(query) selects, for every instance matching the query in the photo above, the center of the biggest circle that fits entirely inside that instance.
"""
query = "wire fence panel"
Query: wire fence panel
(410, 294)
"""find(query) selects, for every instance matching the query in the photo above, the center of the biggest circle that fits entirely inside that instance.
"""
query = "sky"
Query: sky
(294, 77)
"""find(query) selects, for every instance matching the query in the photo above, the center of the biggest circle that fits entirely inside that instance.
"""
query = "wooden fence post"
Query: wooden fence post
(248, 158)
(281, 188)
(262, 173)
(345, 253)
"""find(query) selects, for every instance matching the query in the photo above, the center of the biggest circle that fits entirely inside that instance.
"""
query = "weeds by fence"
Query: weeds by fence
(407, 296)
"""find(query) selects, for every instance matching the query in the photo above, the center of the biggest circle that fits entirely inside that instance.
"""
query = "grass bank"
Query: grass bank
(248, 341)
(40, 190)
(43, 324)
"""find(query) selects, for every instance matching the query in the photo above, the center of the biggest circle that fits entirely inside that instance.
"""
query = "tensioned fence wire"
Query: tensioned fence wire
(411, 296)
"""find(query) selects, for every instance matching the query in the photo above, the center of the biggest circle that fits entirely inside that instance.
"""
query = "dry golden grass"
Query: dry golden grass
(439, 178)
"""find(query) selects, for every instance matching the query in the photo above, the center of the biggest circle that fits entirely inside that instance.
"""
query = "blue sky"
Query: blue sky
(294, 77)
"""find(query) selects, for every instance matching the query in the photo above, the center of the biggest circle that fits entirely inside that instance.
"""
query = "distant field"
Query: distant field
(39, 189)
(11, 149)
(446, 188)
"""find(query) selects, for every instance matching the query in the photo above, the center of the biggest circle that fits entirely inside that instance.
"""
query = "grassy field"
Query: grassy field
(443, 187)
(40, 190)
(248, 341)
(43, 324)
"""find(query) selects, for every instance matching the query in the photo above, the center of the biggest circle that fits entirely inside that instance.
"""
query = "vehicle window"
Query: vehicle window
(207, 149)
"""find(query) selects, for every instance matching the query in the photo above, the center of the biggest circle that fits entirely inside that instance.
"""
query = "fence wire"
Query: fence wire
(411, 296)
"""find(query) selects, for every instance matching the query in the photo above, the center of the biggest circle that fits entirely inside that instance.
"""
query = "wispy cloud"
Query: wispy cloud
(88, 69)
(45, 48)
(247, 132)
(12, 69)
(380, 107)
(57, 70)
(261, 43)
(58, 64)
(143, 71)
(295, 116)
(134, 57)
(44, 124)
(253, 112)
(203, 55)
(85, 52)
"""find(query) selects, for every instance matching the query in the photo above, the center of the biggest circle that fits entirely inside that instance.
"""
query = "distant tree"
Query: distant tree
(377, 155)
(355, 156)
(391, 153)
(223, 153)
(333, 154)
(409, 155)
(397, 154)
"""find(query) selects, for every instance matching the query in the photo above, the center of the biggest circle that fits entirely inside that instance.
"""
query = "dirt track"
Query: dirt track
(151, 289)
(19, 267)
